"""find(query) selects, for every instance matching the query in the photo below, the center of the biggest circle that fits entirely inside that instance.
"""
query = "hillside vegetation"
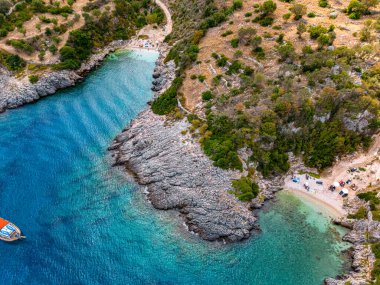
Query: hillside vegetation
(276, 77)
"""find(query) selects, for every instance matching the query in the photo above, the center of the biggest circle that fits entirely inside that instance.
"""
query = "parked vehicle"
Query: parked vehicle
(319, 182)
(352, 169)
(343, 192)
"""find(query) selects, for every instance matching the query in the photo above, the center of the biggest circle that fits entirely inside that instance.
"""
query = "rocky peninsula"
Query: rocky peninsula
(179, 176)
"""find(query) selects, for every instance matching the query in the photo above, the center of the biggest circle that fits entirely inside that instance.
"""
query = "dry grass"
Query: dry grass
(31, 31)
(345, 30)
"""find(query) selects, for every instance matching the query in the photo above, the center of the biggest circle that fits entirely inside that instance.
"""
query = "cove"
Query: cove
(88, 223)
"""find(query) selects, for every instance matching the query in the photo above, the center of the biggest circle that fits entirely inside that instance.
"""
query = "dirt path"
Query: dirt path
(169, 24)
(150, 37)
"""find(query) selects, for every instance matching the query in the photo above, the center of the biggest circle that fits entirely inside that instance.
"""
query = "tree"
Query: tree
(301, 28)
(245, 188)
(268, 8)
(298, 10)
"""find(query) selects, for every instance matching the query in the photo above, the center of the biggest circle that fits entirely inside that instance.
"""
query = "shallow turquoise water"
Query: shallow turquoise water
(87, 223)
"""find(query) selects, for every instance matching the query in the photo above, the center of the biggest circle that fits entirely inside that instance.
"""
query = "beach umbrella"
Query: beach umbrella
(345, 191)
(336, 184)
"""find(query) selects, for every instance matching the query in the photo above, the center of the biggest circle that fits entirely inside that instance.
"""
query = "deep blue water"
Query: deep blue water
(88, 223)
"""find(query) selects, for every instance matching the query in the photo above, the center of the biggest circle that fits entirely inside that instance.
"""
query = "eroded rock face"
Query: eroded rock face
(179, 176)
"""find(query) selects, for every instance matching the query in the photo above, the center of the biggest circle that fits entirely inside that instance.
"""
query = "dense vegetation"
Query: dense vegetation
(11, 61)
(245, 188)
(316, 128)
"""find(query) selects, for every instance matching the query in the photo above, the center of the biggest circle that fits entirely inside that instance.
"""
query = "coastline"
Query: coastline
(322, 205)
(17, 91)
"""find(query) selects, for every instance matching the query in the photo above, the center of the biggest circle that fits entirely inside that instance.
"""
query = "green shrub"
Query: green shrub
(323, 3)
(207, 95)
(371, 197)
(265, 22)
(286, 51)
(234, 43)
(227, 33)
(356, 9)
(268, 7)
(222, 60)
(237, 4)
(234, 67)
(245, 189)
(376, 215)
(167, 101)
(286, 16)
(12, 62)
(33, 79)
(299, 10)
(360, 214)
(311, 15)
(376, 249)
(316, 31)
(21, 45)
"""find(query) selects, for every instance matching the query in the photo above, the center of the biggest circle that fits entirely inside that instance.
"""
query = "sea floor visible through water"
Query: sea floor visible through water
(89, 223)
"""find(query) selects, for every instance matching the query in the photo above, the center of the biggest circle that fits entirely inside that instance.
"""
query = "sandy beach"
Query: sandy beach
(330, 203)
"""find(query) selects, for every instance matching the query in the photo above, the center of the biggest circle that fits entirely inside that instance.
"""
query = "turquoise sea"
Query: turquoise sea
(88, 223)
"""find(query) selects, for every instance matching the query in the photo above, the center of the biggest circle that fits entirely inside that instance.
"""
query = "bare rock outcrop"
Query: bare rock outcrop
(179, 176)
(362, 232)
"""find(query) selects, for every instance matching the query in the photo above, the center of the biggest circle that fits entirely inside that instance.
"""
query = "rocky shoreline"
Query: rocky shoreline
(179, 176)
(15, 92)
(361, 233)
